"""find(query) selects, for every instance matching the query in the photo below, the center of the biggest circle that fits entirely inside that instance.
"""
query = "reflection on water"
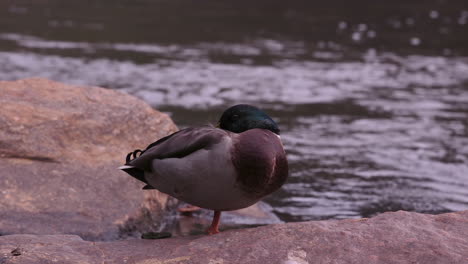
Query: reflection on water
(367, 129)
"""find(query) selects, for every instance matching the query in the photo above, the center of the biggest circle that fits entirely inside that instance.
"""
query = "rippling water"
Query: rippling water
(373, 107)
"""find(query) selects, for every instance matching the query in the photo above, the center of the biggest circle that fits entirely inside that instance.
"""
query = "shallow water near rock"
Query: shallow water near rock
(373, 106)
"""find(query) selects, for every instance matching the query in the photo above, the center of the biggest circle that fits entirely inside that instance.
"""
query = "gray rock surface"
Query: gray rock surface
(60, 146)
(396, 237)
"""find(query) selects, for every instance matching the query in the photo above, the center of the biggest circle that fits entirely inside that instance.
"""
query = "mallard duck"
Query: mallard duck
(223, 168)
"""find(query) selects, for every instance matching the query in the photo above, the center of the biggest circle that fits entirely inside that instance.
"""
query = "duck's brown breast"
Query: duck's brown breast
(260, 162)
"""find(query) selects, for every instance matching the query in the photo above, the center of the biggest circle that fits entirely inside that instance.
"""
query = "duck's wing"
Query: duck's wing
(177, 145)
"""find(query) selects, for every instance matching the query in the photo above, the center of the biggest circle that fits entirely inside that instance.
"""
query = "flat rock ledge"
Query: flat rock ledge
(60, 146)
(394, 237)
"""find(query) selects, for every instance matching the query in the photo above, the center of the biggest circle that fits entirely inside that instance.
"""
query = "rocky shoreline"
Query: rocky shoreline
(62, 200)
(396, 237)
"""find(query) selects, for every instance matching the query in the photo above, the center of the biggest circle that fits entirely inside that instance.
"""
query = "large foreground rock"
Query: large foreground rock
(400, 237)
(60, 147)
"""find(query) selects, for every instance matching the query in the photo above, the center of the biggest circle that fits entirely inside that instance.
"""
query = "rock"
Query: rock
(396, 237)
(60, 146)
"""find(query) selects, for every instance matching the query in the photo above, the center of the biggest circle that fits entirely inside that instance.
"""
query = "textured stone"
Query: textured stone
(397, 237)
(60, 146)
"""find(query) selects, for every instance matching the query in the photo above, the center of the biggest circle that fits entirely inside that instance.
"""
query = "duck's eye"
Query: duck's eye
(235, 117)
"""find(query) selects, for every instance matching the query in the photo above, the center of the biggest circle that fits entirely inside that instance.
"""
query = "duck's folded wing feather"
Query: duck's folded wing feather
(179, 145)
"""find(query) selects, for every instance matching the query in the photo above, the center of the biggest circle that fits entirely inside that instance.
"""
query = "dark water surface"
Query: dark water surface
(371, 96)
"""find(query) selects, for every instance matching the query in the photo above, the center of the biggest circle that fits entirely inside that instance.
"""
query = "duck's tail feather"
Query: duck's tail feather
(134, 172)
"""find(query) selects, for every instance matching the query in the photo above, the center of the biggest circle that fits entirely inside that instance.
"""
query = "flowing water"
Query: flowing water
(371, 97)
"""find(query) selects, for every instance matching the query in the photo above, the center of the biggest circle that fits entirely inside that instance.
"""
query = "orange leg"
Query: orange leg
(214, 225)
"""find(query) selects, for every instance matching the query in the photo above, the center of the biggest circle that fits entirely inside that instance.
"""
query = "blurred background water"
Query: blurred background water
(371, 96)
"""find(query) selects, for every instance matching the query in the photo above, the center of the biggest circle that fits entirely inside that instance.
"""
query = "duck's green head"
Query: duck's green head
(242, 117)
